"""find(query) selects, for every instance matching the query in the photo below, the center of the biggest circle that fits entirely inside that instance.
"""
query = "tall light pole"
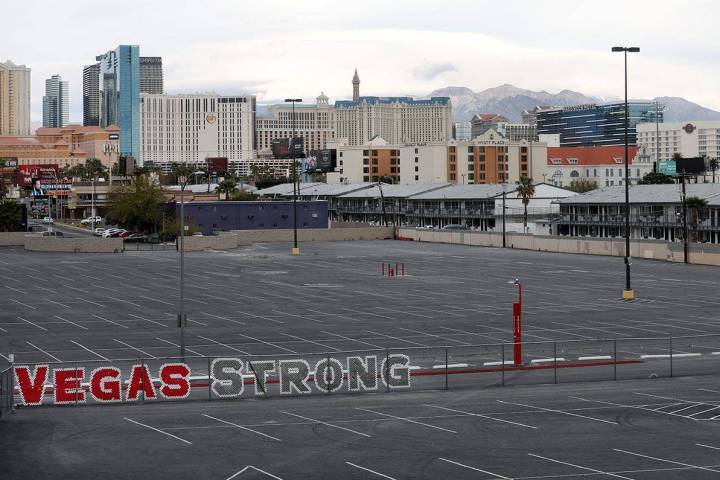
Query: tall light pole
(296, 184)
(504, 189)
(628, 293)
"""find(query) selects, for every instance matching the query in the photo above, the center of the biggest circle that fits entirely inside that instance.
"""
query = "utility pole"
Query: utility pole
(296, 183)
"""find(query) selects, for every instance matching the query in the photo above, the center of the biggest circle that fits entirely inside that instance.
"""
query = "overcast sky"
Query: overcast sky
(276, 49)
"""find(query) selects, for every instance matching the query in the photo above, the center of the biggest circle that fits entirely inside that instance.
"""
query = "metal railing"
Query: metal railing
(444, 367)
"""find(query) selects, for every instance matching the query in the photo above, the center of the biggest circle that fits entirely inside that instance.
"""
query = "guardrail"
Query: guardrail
(456, 367)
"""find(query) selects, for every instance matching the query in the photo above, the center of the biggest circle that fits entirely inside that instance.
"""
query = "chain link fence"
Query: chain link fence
(6, 392)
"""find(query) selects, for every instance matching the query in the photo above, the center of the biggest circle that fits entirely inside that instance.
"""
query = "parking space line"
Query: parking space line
(147, 320)
(494, 475)
(351, 339)
(671, 398)
(33, 324)
(125, 301)
(558, 411)
(91, 302)
(23, 304)
(176, 345)
(157, 430)
(298, 316)
(405, 419)
(260, 316)
(243, 428)
(310, 341)
(135, 348)
(224, 318)
(326, 424)
(70, 322)
(109, 321)
(433, 335)
(404, 312)
(240, 472)
(156, 300)
(707, 446)
(594, 470)
(371, 471)
(223, 344)
(666, 461)
(397, 338)
(479, 415)
(473, 333)
(43, 351)
(368, 313)
(91, 351)
(267, 343)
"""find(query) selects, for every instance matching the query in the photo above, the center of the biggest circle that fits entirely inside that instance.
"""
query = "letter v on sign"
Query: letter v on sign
(32, 387)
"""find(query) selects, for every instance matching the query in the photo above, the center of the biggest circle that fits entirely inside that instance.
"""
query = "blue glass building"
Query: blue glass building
(119, 85)
(595, 124)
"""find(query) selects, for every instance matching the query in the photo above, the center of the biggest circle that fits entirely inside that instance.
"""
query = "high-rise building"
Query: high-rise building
(482, 122)
(91, 95)
(314, 123)
(595, 124)
(461, 131)
(14, 99)
(151, 75)
(191, 128)
(56, 104)
(517, 131)
(356, 87)
(119, 84)
(689, 139)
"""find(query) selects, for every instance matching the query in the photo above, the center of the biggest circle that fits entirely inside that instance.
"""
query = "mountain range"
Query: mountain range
(509, 101)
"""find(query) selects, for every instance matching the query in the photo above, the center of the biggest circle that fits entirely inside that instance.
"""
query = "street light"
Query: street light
(504, 189)
(628, 293)
(296, 186)
(517, 326)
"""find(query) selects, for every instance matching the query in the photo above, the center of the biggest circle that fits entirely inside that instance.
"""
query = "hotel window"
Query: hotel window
(471, 167)
(470, 149)
(366, 161)
(365, 170)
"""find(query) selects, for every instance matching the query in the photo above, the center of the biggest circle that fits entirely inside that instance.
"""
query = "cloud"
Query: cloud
(428, 71)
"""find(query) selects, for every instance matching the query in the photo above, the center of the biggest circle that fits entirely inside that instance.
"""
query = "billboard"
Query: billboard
(126, 165)
(667, 167)
(217, 165)
(41, 180)
(690, 166)
(281, 147)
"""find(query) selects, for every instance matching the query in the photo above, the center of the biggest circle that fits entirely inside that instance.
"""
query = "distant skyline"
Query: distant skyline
(275, 49)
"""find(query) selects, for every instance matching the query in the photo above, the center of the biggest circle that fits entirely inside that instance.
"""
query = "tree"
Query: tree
(264, 176)
(85, 171)
(695, 204)
(714, 166)
(11, 216)
(583, 185)
(244, 196)
(656, 178)
(526, 190)
(228, 187)
(138, 206)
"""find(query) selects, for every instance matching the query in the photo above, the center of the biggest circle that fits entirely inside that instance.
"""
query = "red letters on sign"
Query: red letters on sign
(32, 388)
(68, 388)
(105, 384)
(174, 377)
(140, 379)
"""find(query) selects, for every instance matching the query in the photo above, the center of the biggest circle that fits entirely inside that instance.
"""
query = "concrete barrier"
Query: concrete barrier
(38, 243)
(246, 237)
(12, 239)
(699, 253)
(211, 242)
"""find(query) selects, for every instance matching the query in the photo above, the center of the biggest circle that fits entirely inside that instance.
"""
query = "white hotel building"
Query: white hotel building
(689, 139)
(191, 128)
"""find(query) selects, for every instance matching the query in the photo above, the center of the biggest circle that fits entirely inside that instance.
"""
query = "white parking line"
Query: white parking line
(176, 345)
(224, 318)
(558, 411)
(260, 316)
(223, 344)
(243, 428)
(326, 424)
(58, 303)
(310, 341)
(43, 351)
(147, 320)
(91, 302)
(371, 471)
(157, 430)
(267, 343)
(494, 475)
(397, 338)
(406, 420)
(109, 321)
(94, 353)
(70, 322)
(594, 470)
(157, 300)
(240, 472)
(667, 461)
(33, 324)
(707, 446)
(479, 415)
(125, 301)
(434, 335)
(23, 304)
(351, 339)
(135, 348)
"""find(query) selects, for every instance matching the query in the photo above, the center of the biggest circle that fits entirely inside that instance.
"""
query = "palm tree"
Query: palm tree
(694, 204)
(526, 190)
(714, 166)
(227, 186)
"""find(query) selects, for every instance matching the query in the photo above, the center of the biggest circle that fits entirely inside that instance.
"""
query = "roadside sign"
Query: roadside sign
(668, 167)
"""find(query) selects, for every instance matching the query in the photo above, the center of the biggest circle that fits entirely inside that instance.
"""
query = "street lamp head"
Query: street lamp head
(633, 49)
(614, 49)
(293, 100)
(514, 282)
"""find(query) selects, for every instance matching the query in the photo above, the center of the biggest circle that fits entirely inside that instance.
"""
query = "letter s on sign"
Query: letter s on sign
(174, 378)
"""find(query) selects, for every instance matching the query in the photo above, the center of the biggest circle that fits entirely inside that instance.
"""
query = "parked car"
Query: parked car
(153, 238)
(111, 232)
(90, 220)
(136, 238)
(99, 231)
(454, 226)
(48, 220)
(52, 233)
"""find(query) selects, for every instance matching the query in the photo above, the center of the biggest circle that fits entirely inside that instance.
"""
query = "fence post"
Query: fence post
(555, 361)
(142, 382)
(77, 385)
(615, 359)
(671, 358)
(446, 368)
(502, 362)
(208, 380)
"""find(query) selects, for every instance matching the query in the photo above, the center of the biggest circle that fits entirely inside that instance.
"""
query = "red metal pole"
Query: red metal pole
(383, 269)
(517, 327)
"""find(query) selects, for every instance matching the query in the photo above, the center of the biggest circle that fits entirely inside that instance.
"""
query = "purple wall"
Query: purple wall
(213, 216)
